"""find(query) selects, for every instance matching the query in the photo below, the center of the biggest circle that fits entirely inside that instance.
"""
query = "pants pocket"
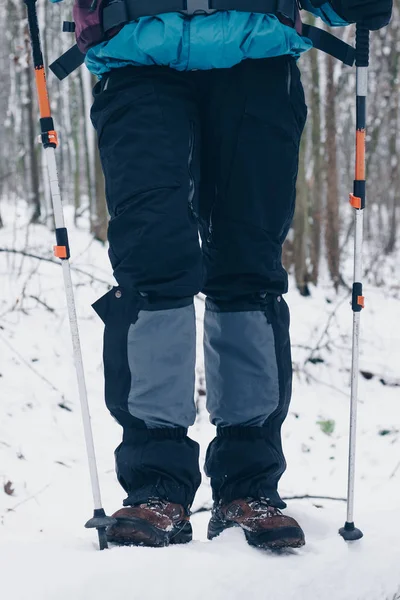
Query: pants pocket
(117, 306)
(296, 95)
(134, 144)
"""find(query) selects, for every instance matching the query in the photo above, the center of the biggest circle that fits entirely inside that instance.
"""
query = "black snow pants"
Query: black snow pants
(213, 153)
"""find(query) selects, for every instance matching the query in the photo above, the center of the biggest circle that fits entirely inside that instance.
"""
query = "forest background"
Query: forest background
(323, 224)
(44, 488)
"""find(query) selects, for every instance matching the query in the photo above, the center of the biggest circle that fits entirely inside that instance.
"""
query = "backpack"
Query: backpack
(97, 21)
(88, 23)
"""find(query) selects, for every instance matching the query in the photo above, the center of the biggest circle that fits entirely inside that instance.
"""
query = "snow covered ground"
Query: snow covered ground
(46, 554)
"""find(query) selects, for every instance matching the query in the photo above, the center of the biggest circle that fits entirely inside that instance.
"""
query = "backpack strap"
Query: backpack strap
(67, 62)
(330, 44)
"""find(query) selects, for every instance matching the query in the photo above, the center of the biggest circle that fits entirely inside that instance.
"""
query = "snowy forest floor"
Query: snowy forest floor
(45, 498)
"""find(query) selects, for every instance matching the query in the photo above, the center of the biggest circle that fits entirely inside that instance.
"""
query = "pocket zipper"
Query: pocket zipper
(289, 78)
(210, 221)
(192, 188)
(107, 81)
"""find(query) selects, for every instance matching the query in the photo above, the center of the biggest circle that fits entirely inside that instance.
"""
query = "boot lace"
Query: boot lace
(156, 503)
(262, 505)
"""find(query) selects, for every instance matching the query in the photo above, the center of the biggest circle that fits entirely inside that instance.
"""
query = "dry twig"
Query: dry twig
(54, 262)
(27, 364)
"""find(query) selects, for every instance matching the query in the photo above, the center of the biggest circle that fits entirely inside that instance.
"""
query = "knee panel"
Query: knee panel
(247, 360)
(241, 367)
(149, 358)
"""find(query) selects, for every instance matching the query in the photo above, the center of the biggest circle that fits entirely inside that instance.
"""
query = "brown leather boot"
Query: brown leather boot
(264, 526)
(155, 523)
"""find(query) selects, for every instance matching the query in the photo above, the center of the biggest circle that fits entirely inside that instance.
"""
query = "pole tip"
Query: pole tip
(350, 533)
(100, 521)
(103, 545)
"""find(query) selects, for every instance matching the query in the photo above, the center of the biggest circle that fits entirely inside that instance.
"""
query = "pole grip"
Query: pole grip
(362, 45)
(34, 33)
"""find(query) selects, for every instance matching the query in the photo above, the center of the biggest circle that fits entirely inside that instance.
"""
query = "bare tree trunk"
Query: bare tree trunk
(301, 224)
(100, 218)
(317, 179)
(98, 207)
(77, 171)
(32, 134)
(394, 182)
(47, 204)
(77, 126)
(287, 251)
(394, 173)
(86, 149)
(332, 206)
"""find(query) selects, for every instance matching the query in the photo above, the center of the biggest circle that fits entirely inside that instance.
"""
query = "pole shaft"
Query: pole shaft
(69, 293)
(354, 370)
(49, 139)
(81, 385)
(358, 199)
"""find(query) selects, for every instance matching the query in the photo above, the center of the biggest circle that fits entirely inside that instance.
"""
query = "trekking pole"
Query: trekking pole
(357, 201)
(99, 520)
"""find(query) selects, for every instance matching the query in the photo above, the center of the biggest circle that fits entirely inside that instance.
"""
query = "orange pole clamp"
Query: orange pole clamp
(60, 251)
(360, 155)
(53, 137)
(354, 201)
(44, 104)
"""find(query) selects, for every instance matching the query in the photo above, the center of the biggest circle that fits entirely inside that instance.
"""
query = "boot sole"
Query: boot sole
(276, 539)
(216, 527)
(143, 533)
(273, 539)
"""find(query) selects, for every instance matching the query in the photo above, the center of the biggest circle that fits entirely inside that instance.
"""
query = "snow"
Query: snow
(224, 568)
(46, 554)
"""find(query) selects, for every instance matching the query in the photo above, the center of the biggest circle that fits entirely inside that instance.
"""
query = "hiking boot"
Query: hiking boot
(264, 526)
(155, 523)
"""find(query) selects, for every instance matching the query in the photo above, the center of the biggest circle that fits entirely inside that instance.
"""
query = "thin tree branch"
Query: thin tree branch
(395, 470)
(49, 308)
(329, 385)
(33, 497)
(308, 497)
(54, 262)
(325, 330)
(27, 364)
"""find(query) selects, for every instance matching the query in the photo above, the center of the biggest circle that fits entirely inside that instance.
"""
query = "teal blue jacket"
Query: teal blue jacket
(216, 41)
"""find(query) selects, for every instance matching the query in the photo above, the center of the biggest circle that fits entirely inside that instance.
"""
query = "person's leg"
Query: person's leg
(256, 117)
(147, 125)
